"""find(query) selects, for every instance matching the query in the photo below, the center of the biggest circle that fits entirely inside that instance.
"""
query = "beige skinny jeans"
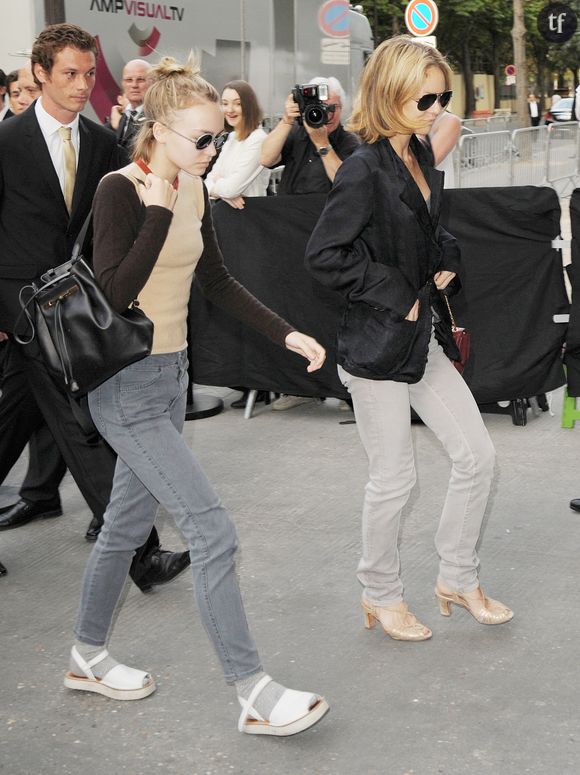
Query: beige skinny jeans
(445, 404)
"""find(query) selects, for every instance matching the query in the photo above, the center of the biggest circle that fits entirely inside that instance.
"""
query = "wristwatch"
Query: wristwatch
(324, 150)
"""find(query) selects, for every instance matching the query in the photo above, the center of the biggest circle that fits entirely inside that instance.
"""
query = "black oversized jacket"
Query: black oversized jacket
(378, 244)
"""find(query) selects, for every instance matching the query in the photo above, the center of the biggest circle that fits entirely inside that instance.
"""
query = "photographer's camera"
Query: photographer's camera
(310, 98)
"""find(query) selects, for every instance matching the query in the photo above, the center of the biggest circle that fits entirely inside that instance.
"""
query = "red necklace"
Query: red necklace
(147, 170)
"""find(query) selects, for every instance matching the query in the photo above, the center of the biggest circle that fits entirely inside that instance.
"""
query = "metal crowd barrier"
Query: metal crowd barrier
(483, 160)
(546, 156)
(529, 153)
(497, 123)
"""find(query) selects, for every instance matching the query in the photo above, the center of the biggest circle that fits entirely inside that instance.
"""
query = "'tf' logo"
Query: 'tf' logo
(559, 19)
(557, 22)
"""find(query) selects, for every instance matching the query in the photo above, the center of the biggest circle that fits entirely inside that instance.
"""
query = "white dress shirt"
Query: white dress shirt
(4, 110)
(238, 171)
(49, 127)
(127, 110)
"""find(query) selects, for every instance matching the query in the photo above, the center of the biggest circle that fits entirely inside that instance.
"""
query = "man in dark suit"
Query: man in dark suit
(51, 161)
(125, 116)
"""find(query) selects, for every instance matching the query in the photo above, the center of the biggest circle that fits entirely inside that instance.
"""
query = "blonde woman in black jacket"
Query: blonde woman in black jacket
(379, 243)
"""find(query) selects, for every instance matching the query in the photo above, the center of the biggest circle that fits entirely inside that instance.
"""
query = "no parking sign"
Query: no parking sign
(421, 17)
(333, 18)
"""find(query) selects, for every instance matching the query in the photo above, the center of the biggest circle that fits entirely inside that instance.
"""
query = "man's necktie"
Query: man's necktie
(70, 165)
(129, 122)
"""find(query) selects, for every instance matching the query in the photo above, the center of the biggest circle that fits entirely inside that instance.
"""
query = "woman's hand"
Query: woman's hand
(158, 191)
(413, 314)
(308, 348)
(237, 202)
(442, 279)
(3, 336)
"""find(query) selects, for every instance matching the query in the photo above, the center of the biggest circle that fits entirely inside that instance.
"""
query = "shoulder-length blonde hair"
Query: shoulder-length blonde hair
(393, 75)
(174, 86)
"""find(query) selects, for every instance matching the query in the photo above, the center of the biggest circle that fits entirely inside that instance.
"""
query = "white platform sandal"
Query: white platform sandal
(294, 712)
(120, 683)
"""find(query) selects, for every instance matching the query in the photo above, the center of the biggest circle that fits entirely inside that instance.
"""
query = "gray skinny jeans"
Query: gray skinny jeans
(140, 412)
(445, 404)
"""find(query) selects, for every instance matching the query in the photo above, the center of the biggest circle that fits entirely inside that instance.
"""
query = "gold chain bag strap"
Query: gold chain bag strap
(461, 337)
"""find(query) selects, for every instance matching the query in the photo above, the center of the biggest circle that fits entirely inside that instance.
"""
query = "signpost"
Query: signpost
(510, 71)
(421, 17)
(334, 22)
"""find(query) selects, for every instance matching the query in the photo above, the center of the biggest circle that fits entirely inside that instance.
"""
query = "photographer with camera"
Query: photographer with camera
(309, 140)
(311, 143)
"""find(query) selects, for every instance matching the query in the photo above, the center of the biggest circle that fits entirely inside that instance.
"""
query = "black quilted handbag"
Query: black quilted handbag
(82, 339)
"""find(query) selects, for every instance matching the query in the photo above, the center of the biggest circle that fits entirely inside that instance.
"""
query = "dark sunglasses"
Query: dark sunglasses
(333, 107)
(203, 141)
(428, 100)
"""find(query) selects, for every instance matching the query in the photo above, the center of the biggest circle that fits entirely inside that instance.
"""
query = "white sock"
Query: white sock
(268, 697)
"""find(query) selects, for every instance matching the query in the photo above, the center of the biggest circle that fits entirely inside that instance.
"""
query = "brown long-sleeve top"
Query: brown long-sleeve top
(150, 254)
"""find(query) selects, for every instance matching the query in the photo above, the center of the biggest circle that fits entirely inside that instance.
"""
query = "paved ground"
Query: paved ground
(474, 699)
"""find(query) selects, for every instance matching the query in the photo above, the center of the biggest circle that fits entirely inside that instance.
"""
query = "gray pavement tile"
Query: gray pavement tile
(499, 700)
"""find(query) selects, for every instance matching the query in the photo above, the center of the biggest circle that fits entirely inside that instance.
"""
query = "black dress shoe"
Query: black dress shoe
(25, 511)
(575, 504)
(3, 570)
(159, 567)
(263, 397)
(94, 529)
(4, 509)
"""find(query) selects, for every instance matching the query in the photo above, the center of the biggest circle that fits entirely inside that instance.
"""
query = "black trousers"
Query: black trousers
(34, 407)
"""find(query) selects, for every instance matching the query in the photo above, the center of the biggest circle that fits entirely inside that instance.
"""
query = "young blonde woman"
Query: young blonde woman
(237, 172)
(379, 243)
(165, 234)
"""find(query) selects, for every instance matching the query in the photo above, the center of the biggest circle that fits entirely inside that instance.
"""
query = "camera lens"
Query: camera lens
(315, 116)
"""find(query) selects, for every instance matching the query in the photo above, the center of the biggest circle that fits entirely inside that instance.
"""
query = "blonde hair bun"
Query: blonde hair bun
(168, 67)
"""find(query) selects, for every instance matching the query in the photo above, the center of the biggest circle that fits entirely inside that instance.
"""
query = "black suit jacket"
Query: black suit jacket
(379, 245)
(125, 137)
(36, 232)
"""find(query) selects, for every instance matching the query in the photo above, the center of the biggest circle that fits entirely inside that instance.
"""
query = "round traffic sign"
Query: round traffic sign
(557, 22)
(510, 70)
(421, 17)
(333, 18)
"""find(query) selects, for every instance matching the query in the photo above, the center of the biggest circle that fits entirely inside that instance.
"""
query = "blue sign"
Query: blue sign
(421, 17)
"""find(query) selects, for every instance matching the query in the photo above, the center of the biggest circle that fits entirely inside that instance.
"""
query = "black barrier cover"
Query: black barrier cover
(572, 359)
(513, 284)
(263, 247)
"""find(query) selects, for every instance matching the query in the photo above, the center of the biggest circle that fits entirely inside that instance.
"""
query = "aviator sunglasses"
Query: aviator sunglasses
(204, 140)
(427, 100)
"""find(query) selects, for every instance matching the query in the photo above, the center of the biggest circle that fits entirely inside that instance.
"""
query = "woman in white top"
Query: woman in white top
(444, 136)
(238, 173)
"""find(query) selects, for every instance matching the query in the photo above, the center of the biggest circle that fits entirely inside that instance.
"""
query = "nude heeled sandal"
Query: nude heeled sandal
(398, 622)
(484, 609)
(120, 683)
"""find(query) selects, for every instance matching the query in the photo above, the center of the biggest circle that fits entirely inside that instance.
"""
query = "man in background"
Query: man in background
(126, 114)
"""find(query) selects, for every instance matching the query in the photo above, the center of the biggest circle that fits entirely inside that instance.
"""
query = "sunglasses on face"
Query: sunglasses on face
(428, 100)
(204, 140)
